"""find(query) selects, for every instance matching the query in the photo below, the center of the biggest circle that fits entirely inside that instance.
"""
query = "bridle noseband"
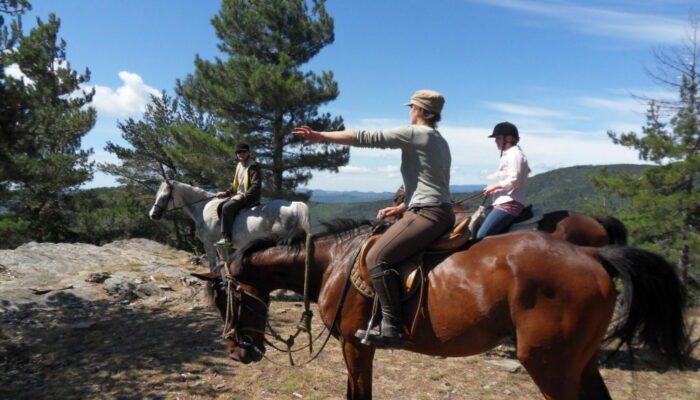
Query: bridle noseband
(160, 208)
(234, 308)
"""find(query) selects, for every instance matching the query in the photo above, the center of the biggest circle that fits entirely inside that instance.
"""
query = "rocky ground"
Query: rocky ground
(127, 321)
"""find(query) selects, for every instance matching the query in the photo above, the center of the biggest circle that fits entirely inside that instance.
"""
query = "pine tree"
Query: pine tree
(43, 119)
(664, 208)
(259, 93)
(151, 156)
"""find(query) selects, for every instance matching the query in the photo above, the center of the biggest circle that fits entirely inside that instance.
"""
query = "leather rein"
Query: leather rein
(234, 306)
(170, 198)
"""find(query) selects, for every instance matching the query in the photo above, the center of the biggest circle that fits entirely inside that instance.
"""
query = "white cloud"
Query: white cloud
(103, 156)
(617, 105)
(350, 169)
(603, 22)
(131, 98)
(389, 168)
(516, 109)
(14, 71)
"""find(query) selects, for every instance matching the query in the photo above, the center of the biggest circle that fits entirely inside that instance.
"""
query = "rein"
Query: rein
(170, 198)
(472, 197)
(234, 294)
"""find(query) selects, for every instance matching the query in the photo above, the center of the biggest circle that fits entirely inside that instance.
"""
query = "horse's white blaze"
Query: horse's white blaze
(273, 216)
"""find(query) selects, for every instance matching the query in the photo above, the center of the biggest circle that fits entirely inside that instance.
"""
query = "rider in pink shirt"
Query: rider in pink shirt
(510, 192)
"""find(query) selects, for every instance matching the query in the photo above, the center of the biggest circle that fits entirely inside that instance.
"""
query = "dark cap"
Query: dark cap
(242, 147)
(505, 129)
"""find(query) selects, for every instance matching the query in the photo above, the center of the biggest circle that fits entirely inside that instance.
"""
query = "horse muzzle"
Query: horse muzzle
(155, 213)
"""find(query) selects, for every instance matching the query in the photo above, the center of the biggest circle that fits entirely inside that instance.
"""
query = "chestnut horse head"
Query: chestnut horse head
(555, 300)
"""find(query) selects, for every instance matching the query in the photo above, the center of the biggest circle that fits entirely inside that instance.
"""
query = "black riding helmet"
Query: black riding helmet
(506, 129)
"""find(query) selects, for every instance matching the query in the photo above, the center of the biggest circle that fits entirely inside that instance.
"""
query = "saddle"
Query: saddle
(411, 271)
(527, 219)
(246, 208)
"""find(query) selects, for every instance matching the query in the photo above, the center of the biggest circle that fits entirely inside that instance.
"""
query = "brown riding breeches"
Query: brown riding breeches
(410, 235)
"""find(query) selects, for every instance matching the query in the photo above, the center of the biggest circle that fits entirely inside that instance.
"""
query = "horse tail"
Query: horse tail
(653, 303)
(617, 231)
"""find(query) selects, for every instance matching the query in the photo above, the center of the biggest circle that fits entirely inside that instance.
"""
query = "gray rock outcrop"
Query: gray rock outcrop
(46, 274)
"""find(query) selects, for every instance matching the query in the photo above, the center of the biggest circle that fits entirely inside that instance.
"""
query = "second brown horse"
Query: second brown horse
(555, 300)
(574, 227)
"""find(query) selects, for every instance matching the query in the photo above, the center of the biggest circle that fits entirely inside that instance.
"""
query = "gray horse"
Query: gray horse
(201, 206)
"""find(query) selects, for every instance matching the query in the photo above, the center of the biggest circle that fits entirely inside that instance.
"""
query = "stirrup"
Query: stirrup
(375, 337)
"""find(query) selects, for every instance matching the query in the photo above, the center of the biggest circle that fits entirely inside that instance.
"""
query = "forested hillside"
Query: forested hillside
(570, 189)
(560, 189)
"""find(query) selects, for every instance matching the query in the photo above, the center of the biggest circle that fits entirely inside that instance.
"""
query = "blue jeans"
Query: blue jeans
(496, 222)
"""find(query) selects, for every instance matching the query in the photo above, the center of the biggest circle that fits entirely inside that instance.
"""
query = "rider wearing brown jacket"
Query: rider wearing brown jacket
(245, 190)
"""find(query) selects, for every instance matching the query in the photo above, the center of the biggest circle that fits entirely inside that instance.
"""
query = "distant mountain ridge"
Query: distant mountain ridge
(560, 189)
(354, 196)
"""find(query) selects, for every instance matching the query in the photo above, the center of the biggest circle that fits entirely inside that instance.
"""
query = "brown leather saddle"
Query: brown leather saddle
(411, 271)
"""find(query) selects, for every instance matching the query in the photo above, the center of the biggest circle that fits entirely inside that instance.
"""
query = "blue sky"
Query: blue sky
(562, 71)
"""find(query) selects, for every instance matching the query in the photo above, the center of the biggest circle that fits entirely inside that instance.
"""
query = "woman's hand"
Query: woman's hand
(221, 194)
(391, 211)
(491, 188)
(307, 133)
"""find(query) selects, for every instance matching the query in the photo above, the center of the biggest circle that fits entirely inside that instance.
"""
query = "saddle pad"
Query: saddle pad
(409, 271)
(537, 215)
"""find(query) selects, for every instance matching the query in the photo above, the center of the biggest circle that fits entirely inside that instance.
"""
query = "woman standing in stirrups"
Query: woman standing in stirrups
(427, 212)
(510, 192)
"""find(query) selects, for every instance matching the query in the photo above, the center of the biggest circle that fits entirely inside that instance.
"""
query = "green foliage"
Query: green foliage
(43, 119)
(571, 189)
(153, 155)
(322, 212)
(150, 157)
(259, 93)
(664, 201)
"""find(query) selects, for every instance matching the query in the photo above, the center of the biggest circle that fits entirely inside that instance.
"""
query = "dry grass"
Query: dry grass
(171, 350)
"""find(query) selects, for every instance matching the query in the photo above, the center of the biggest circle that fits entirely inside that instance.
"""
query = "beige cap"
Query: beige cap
(428, 100)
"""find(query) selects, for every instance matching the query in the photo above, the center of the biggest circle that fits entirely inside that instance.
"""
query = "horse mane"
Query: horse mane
(342, 227)
(339, 228)
(196, 189)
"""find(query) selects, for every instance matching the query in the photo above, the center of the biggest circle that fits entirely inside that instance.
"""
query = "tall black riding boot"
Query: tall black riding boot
(388, 289)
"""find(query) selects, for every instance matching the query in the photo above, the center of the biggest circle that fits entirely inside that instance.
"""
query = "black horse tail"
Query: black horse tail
(617, 231)
(653, 303)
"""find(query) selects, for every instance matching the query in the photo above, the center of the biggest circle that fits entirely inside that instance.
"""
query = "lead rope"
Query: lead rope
(306, 316)
(229, 329)
(335, 323)
(305, 323)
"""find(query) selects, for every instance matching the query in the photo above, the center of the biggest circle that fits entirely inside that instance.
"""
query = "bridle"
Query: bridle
(235, 306)
(164, 209)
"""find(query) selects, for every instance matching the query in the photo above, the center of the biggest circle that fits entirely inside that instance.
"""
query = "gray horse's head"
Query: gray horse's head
(163, 198)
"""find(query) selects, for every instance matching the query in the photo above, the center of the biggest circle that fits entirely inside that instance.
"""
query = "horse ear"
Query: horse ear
(164, 174)
(208, 276)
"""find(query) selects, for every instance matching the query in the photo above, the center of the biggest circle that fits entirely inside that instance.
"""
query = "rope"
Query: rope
(305, 323)
(472, 197)
(189, 204)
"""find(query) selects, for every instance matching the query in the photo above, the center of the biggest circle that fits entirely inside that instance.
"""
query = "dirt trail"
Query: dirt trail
(167, 346)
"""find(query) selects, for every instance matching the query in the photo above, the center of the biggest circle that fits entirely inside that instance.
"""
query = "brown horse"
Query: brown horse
(554, 299)
(576, 228)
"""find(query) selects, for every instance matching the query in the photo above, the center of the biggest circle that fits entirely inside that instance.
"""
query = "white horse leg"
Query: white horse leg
(211, 255)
